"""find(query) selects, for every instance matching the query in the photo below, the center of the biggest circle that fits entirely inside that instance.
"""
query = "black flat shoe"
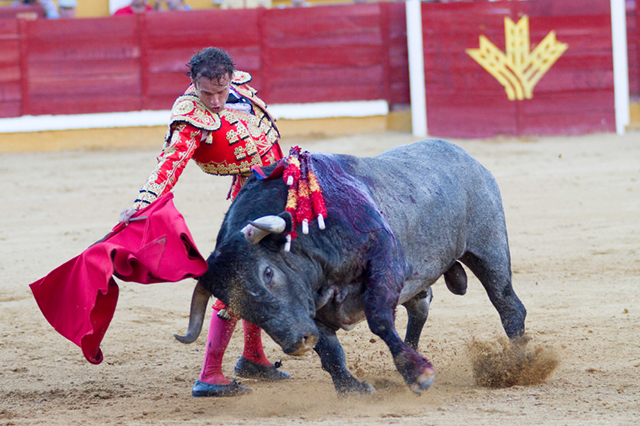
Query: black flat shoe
(251, 370)
(207, 389)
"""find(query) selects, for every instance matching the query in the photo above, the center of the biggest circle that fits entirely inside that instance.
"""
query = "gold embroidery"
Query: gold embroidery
(168, 167)
(242, 152)
(249, 92)
(254, 130)
(257, 127)
(175, 138)
(243, 131)
(232, 136)
(251, 148)
(241, 77)
(229, 115)
(244, 167)
(237, 134)
(183, 107)
(239, 152)
(190, 109)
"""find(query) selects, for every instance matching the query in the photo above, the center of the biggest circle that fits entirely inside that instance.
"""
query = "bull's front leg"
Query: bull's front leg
(333, 361)
(379, 306)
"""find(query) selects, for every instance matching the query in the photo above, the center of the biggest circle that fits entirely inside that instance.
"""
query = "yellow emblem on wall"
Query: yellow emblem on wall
(518, 69)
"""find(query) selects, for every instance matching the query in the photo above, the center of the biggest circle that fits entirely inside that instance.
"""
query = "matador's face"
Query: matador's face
(214, 93)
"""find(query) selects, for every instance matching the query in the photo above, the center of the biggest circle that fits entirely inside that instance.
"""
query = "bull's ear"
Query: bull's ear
(288, 219)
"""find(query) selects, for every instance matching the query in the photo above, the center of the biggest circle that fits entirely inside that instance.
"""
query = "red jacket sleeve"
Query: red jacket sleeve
(185, 139)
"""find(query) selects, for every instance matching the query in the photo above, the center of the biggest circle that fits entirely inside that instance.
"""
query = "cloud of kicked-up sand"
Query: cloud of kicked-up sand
(502, 363)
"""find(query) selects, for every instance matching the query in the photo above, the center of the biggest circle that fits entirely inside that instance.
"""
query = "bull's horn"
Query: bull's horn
(273, 224)
(199, 302)
(257, 229)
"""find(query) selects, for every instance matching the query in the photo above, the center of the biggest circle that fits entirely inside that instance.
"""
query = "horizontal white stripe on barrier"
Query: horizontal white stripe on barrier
(41, 123)
(329, 109)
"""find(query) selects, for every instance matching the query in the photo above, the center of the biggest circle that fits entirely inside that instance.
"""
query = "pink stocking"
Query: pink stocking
(220, 332)
(253, 350)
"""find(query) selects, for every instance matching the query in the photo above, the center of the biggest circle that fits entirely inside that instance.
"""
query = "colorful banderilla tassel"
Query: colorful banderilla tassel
(292, 173)
(291, 207)
(317, 200)
(303, 213)
(304, 198)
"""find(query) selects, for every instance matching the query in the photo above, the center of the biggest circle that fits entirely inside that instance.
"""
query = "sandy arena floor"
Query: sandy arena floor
(573, 214)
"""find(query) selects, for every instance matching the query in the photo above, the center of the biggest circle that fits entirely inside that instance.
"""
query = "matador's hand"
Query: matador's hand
(126, 215)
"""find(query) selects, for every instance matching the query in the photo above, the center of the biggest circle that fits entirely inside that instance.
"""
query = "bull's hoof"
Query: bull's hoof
(251, 370)
(207, 389)
(356, 388)
(367, 388)
(423, 382)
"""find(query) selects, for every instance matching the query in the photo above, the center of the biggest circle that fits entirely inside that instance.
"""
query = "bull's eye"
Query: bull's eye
(268, 274)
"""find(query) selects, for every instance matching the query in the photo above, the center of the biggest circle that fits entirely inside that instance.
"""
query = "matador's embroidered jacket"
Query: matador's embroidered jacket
(226, 143)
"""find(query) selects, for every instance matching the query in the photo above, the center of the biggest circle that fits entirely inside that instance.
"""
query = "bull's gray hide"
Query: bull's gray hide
(395, 224)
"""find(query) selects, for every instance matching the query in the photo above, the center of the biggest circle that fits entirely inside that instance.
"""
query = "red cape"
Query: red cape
(79, 297)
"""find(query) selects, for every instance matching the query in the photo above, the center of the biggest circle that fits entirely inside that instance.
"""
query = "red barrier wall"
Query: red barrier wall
(10, 74)
(168, 40)
(577, 93)
(462, 98)
(330, 53)
(574, 96)
(325, 53)
(633, 48)
(24, 12)
(320, 54)
(633, 42)
(81, 66)
(399, 92)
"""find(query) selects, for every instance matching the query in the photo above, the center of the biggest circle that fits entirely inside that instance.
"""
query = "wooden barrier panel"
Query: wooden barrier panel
(633, 51)
(399, 92)
(22, 12)
(468, 96)
(81, 66)
(463, 99)
(10, 75)
(321, 54)
(169, 40)
(576, 95)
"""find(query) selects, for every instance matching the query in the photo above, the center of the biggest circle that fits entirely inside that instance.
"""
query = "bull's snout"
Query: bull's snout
(301, 345)
(294, 333)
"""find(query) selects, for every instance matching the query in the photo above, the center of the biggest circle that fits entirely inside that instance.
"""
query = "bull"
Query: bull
(395, 224)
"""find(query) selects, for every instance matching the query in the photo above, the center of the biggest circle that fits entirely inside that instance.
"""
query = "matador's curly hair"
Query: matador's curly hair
(212, 63)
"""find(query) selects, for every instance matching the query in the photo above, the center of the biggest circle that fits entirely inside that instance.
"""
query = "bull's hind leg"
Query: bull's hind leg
(333, 361)
(494, 272)
(417, 311)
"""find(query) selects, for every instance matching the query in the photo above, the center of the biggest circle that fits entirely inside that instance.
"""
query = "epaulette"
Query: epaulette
(189, 108)
(241, 77)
